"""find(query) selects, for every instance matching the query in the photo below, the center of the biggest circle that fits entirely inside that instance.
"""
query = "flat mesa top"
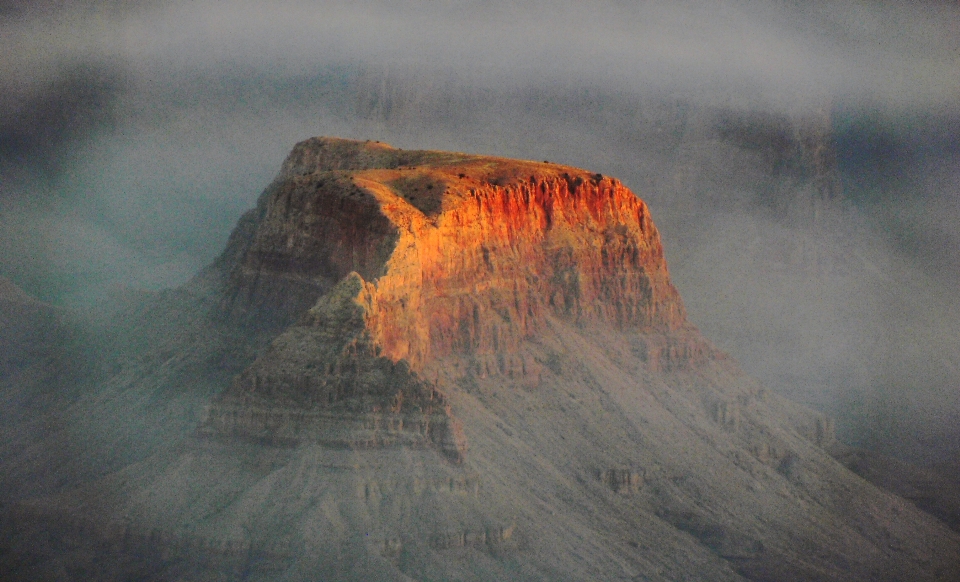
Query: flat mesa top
(322, 154)
(422, 177)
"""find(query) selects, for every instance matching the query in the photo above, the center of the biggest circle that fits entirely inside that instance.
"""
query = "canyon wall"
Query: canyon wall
(463, 253)
(414, 258)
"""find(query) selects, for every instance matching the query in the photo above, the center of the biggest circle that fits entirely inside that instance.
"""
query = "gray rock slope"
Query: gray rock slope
(257, 424)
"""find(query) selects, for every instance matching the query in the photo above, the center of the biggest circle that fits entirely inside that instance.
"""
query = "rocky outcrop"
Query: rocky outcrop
(461, 254)
(405, 305)
(621, 480)
(417, 257)
(492, 536)
(325, 381)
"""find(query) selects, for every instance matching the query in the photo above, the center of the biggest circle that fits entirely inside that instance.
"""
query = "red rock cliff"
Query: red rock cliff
(459, 253)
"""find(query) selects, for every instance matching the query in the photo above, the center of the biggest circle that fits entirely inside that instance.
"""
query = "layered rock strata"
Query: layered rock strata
(419, 258)
(452, 367)
(325, 381)
(447, 239)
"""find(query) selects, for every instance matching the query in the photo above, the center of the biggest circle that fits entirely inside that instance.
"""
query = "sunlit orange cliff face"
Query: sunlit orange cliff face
(458, 253)
(432, 261)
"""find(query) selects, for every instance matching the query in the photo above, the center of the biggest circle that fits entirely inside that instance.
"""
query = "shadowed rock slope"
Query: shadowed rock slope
(455, 367)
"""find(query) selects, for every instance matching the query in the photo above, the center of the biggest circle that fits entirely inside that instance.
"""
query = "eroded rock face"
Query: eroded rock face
(457, 367)
(418, 257)
(461, 254)
(325, 381)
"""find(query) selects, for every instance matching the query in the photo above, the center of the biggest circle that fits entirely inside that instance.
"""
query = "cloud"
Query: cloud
(897, 54)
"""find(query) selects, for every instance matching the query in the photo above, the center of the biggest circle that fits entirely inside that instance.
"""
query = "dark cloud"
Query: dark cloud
(38, 130)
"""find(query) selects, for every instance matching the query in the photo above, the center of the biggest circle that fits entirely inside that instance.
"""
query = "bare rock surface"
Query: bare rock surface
(438, 366)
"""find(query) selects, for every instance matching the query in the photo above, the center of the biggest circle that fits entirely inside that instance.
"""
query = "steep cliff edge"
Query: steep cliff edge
(451, 261)
(477, 249)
